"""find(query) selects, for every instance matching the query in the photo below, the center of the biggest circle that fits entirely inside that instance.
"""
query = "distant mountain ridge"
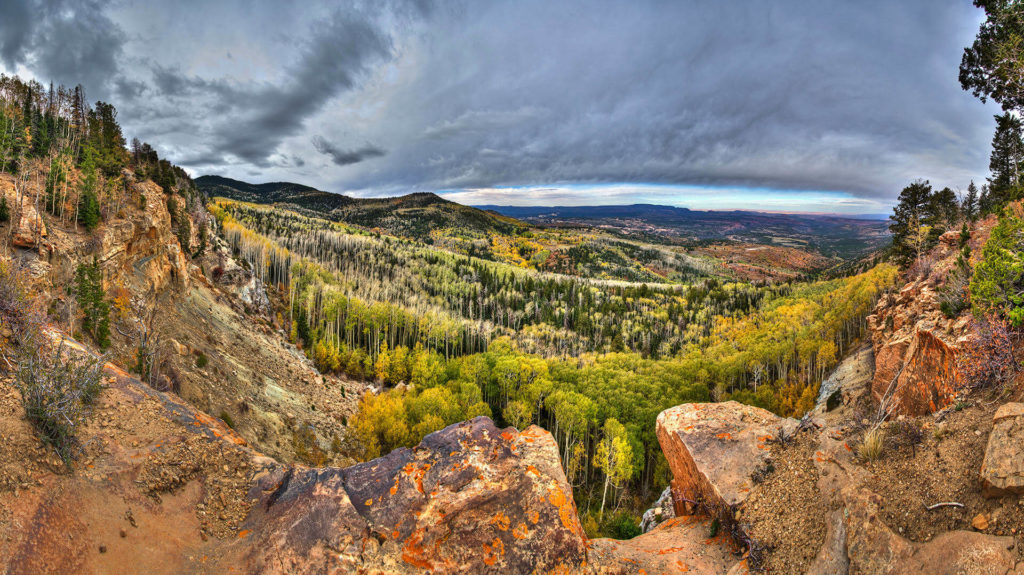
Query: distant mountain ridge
(830, 235)
(412, 216)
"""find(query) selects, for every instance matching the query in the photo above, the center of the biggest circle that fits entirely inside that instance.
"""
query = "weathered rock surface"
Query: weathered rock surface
(143, 246)
(847, 381)
(714, 451)
(915, 348)
(1002, 472)
(469, 498)
(27, 227)
(679, 545)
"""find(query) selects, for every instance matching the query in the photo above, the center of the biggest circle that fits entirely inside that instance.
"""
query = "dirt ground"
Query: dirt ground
(786, 512)
(944, 467)
(925, 460)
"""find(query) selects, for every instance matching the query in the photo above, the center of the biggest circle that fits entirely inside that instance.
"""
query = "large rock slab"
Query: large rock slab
(714, 451)
(470, 498)
(1002, 471)
(679, 545)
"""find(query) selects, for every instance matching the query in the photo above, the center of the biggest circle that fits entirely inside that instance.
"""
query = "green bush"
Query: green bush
(202, 361)
(998, 282)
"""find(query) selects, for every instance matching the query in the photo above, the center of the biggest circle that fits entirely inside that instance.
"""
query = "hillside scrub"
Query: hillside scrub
(57, 387)
(997, 286)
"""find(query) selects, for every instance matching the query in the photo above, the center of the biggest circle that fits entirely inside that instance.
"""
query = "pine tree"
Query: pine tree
(970, 203)
(1006, 159)
(92, 301)
(88, 203)
(910, 216)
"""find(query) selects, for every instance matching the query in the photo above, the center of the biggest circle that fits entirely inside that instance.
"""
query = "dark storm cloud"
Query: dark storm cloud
(345, 157)
(854, 97)
(65, 41)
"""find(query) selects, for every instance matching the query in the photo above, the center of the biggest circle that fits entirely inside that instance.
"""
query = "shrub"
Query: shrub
(202, 360)
(226, 418)
(55, 391)
(874, 444)
(953, 297)
(988, 357)
(906, 433)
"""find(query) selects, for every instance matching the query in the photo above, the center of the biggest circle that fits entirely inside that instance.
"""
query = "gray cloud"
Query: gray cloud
(850, 97)
(342, 157)
(65, 41)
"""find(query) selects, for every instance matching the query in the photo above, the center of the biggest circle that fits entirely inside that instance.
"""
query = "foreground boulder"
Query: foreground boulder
(470, 498)
(1002, 472)
(715, 450)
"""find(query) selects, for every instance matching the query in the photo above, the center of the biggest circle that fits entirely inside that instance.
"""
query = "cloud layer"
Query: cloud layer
(382, 98)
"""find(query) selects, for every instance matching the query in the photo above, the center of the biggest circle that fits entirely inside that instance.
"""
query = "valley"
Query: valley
(201, 374)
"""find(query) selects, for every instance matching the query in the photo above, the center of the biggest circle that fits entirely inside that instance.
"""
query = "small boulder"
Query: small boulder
(1002, 471)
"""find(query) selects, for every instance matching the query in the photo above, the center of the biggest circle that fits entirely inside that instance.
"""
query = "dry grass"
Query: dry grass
(874, 444)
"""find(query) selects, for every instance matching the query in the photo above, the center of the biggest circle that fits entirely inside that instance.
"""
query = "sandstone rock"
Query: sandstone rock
(1002, 471)
(144, 245)
(832, 559)
(980, 522)
(679, 545)
(915, 348)
(179, 348)
(848, 381)
(469, 498)
(714, 449)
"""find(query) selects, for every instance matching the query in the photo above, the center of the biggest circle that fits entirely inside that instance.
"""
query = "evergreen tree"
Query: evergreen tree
(92, 301)
(1005, 161)
(990, 68)
(944, 210)
(88, 202)
(969, 208)
(910, 218)
(5, 212)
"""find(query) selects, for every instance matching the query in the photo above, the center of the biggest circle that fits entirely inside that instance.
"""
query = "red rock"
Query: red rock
(915, 351)
(461, 501)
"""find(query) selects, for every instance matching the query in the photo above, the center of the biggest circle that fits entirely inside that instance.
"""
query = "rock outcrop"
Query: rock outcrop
(142, 246)
(715, 450)
(1002, 472)
(470, 498)
(915, 348)
(27, 227)
(662, 510)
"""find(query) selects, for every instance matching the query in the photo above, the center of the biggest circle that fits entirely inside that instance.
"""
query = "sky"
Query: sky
(820, 106)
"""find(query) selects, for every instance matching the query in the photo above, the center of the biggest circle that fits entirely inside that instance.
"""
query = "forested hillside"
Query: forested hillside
(592, 360)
